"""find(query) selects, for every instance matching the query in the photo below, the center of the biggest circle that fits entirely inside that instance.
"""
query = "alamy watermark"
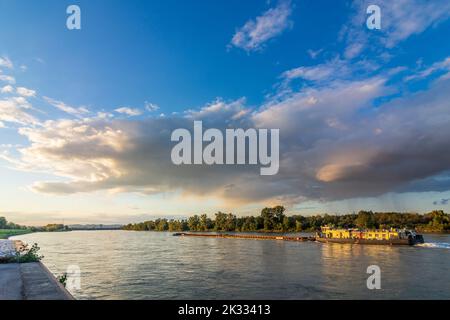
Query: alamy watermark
(374, 20)
(73, 278)
(230, 151)
(374, 280)
(73, 22)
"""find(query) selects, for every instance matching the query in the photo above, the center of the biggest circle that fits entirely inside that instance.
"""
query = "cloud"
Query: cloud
(314, 53)
(320, 72)
(25, 92)
(442, 202)
(6, 78)
(151, 106)
(220, 112)
(5, 62)
(402, 19)
(7, 89)
(327, 74)
(66, 108)
(109, 154)
(129, 111)
(104, 115)
(443, 65)
(255, 33)
(399, 21)
(334, 146)
(13, 110)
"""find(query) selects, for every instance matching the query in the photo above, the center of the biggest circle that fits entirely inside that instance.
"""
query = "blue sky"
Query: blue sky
(148, 49)
(85, 113)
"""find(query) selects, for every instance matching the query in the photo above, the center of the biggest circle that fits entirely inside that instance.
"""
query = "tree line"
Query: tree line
(275, 220)
(7, 225)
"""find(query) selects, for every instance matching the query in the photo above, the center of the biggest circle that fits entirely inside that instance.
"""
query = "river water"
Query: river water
(154, 265)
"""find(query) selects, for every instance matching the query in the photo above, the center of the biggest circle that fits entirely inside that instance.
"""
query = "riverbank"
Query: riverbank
(27, 281)
(6, 233)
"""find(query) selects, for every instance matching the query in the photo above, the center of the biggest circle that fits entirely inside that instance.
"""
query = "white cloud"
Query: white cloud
(25, 92)
(12, 110)
(22, 102)
(443, 65)
(253, 35)
(321, 72)
(400, 20)
(6, 78)
(5, 62)
(314, 53)
(129, 111)
(66, 108)
(404, 18)
(104, 115)
(7, 89)
(151, 106)
(220, 112)
(353, 50)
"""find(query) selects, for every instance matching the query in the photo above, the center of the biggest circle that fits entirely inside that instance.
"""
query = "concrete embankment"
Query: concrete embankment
(28, 281)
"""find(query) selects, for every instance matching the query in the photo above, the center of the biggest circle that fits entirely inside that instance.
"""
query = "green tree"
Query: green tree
(162, 225)
(288, 223)
(273, 218)
(230, 222)
(365, 219)
(249, 224)
(3, 223)
(220, 222)
(194, 223)
(205, 223)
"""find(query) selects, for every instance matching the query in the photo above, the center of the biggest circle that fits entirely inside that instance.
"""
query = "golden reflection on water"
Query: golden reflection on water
(333, 251)
(344, 264)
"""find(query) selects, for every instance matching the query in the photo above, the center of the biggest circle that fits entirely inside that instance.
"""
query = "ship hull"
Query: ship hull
(391, 242)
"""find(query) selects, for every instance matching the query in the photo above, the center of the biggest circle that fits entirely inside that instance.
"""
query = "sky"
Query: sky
(86, 115)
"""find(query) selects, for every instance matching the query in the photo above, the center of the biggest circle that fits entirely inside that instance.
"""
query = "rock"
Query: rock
(7, 249)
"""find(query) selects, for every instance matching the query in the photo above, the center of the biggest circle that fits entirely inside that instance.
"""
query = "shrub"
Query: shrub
(27, 254)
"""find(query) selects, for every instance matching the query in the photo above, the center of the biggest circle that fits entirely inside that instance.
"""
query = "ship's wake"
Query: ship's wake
(438, 245)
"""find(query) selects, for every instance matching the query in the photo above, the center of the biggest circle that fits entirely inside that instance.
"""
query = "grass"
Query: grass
(6, 233)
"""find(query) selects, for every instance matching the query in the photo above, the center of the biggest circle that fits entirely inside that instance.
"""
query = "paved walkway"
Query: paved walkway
(10, 282)
(27, 281)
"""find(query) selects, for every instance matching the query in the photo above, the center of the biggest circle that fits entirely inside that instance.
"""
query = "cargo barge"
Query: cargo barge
(245, 236)
(372, 237)
(330, 235)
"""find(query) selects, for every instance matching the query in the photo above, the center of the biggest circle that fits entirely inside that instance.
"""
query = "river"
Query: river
(154, 265)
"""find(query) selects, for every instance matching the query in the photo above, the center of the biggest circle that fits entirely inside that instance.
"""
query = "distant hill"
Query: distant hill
(95, 226)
